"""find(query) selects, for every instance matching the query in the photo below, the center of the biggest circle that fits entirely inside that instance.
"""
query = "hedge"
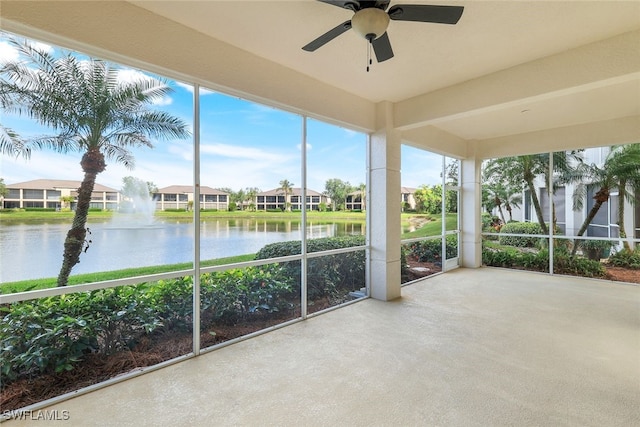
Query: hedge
(431, 250)
(520, 228)
(54, 334)
(327, 276)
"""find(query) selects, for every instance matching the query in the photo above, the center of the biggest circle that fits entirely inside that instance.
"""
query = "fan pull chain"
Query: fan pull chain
(369, 61)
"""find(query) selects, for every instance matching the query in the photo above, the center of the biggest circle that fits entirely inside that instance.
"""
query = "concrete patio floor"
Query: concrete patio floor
(484, 347)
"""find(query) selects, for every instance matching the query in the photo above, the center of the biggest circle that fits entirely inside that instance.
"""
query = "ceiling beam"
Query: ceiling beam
(623, 130)
(435, 140)
(602, 62)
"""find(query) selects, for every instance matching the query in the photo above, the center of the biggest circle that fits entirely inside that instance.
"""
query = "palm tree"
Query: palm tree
(10, 142)
(286, 188)
(495, 194)
(523, 170)
(250, 197)
(362, 188)
(621, 169)
(627, 188)
(90, 111)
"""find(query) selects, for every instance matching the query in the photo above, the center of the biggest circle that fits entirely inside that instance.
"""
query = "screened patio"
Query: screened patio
(470, 346)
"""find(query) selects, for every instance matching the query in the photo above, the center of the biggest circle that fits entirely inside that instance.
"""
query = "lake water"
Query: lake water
(31, 251)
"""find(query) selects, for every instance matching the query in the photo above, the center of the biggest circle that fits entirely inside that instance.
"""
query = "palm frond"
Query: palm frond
(12, 145)
(119, 154)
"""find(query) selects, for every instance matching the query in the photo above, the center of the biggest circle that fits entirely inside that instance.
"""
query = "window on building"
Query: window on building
(33, 194)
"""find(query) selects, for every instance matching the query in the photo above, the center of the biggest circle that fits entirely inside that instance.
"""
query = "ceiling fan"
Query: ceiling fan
(370, 21)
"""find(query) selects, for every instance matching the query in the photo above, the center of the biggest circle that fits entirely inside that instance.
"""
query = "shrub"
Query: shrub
(329, 275)
(596, 249)
(53, 334)
(236, 294)
(520, 228)
(563, 262)
(39, 209)
(38, 336)
(430, 250)
(626, 258)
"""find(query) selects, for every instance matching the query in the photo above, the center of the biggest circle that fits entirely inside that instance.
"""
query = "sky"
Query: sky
(242, 144)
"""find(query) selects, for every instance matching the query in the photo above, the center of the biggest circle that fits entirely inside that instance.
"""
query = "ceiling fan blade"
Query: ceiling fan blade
(382, 48)
(345, 4)
(327, 37)
(426, 13)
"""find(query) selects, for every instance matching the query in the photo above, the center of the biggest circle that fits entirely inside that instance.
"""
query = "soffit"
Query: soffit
(490, 36)
(475, 75)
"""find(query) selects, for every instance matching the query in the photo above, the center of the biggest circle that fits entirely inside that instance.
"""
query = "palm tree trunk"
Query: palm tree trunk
(601, 196)
(499, 205)
(622, 185)
(92, 164)
(536, 205)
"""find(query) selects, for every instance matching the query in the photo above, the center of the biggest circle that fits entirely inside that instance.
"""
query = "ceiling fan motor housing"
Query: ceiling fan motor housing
(370, 23)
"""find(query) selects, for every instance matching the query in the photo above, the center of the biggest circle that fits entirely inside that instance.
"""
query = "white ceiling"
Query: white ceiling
(490, 36)
(513, 75)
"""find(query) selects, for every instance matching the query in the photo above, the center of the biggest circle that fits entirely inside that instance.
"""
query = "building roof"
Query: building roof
(56, 184)
(297, 191)
(182, 189)
(407, 190)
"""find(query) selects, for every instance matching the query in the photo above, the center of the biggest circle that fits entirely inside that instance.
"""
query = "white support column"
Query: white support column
(471, 223)
(384, 207)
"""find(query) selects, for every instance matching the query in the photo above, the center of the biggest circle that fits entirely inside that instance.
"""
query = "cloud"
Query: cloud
(238, 152)
(299, 147)
(42, 46)
(189, 88)
(166, 100)
(8, 52)
(129, 75)
(182, 151)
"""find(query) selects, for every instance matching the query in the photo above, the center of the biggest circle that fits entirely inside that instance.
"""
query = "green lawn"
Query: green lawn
(433, 227)
(26, 216)
(30, 285)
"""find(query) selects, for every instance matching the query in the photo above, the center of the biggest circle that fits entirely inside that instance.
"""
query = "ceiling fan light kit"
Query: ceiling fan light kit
(370, 23)
(371, 19)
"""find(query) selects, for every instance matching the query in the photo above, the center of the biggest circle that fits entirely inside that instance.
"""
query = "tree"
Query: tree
(498, 191)
(451, 172)
(250, 197)
(337, 190)
(428, 199)
(522, 170)
(133, 187)
(621, 169)
(90, 111)
(4, 191)
(362, 188)
(66, 202)
(11, 144)
(286, 188)
(239, 197)
(496, 194)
